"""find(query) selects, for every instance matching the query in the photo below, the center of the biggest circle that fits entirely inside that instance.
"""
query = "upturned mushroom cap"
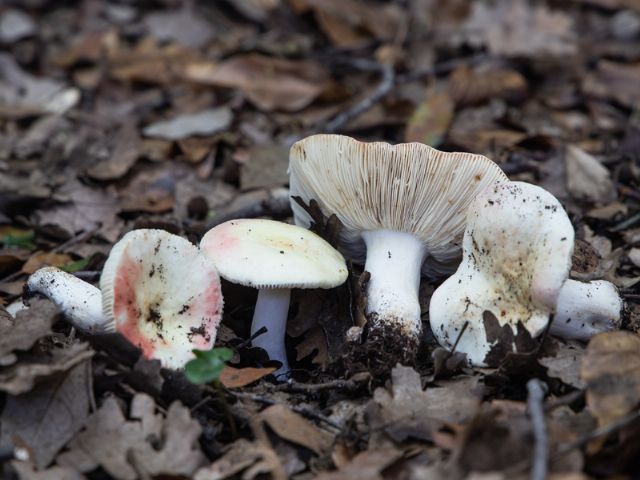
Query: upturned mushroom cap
(269, 254)
(163, 294)
(408, 187)
(516, 256)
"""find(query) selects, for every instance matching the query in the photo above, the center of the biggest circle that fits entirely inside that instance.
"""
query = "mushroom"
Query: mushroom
(79, 301)
(585, 309)
(163, 295)
(273, 257)
(403, 205)
(156, 289)
(517, 250)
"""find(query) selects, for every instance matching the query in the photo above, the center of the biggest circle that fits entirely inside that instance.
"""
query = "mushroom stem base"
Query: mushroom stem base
(271, 312)
(388, 343)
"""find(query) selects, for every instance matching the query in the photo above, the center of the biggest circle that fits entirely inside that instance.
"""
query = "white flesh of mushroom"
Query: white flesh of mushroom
(585, 309)
(271, 313)
(80, 301)
(516, 256)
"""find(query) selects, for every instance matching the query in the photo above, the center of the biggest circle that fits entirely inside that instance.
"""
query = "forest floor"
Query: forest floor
(97, 137)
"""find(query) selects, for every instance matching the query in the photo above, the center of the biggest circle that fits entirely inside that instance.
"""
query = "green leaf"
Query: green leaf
(76, 266)
(207, 365)
(20, 239)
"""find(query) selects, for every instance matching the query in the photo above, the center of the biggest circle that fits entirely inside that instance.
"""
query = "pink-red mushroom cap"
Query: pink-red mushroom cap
(163, 294)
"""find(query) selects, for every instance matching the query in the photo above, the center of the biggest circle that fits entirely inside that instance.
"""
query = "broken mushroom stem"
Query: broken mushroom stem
(270, 313)
(585, 309)
(80, 302)
(394, 260)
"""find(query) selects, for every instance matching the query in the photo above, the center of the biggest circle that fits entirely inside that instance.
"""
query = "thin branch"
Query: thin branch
(540, 463)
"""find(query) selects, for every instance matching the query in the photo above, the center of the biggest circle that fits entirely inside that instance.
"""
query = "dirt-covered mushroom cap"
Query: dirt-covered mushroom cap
(268, 254)
(516, 256)
(163, 294)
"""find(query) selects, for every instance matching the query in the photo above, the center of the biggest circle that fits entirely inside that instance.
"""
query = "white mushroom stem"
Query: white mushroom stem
(271, 312)
(80, 301)
(585, 309)
(394, 260)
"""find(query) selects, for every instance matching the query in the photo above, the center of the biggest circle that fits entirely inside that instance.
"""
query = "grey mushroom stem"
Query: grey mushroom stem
(271, 312)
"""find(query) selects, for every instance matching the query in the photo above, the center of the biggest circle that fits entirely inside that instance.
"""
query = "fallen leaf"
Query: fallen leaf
(238, 456)
(368, 464)
(89, 47)
(294, 428)
(48, 416)
(121, 446)
(15, 25)
(270, 83)
(471, 86)
(22, 376)
(29, 326)
(43, 259)
(519, 29)
(205, 122)
(22, 94)
(410, 412)
(28, 471)
(611, 371)
(431, 119)
(124, 154)
(185, 26)
(566, 364)
(587, 178)
(266, 166)
(239, 377)
(616, 81)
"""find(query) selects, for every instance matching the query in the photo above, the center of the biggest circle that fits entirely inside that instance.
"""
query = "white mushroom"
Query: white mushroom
(273, 257)
(585, 309)
(403, 205)
(516, 256)
(79, 301)
(157, 290)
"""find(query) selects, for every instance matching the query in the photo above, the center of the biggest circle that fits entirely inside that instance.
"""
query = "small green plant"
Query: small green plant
(207, 365)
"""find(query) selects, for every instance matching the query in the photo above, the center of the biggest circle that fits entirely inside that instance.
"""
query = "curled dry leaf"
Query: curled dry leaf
(28, 327)
(611, 371)
(587, 178)
(232, 377)
(270, 83)
(205, 122)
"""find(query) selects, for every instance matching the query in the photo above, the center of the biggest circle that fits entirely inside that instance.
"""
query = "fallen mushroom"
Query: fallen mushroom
(273, 257)
(517, 251)
(79, 301)
(403, 205)
(156, 289)
(585, 309)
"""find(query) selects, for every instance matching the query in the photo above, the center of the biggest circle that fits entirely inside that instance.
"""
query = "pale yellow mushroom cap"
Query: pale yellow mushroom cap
(269, 254)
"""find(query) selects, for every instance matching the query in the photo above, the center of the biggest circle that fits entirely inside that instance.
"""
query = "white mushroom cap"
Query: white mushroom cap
(408, 187)
(585, 309)
(163, 294)
(268, 254)
(79, 301)
(516, 256)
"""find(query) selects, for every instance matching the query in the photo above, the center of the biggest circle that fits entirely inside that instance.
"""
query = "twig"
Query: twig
(81, 237)
(337, 384)
(455, 345)
(383, 88)
(597, 433)
(301, 410)
(540, 463)
(626, 223)
(567, 399)
(246, 342)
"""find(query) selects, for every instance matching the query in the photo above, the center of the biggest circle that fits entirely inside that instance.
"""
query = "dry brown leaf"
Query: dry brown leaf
(431, 119)
(611, 370)
(520, 29)
(205, 122)
(368, 464)
(587, 178)
(296, 429)
(28, 471)
(266, 167)
(124, 154)
(616, 81)
(469, 86)
(185, 26)
(47, 417)
(566, 364)
(28, 327)
(239, 455)
(239, 377)
(44, 259)
(270, 83)
(89, 47)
